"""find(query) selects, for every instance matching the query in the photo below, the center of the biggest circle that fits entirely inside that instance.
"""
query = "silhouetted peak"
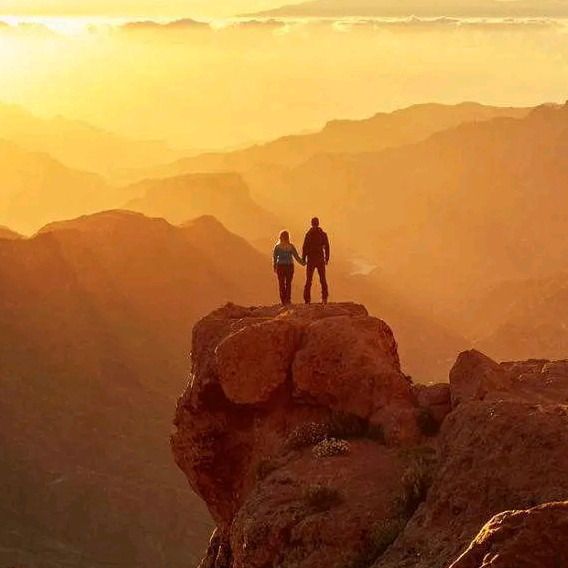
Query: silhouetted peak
(207, 222)
(6, 233)
(108, 222)
(549, 111)
(209, 228)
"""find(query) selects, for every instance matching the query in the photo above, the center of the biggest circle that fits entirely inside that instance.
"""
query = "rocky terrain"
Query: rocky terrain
(77, 144)
(311, 448)
(95, 316)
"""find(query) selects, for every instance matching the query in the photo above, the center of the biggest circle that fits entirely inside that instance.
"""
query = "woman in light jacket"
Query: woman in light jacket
(283, 259)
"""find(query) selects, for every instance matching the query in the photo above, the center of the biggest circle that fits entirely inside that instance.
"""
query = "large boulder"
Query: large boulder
(503, 447)
(537, 537)
(313, 450)
(283, 432)
(475, 376)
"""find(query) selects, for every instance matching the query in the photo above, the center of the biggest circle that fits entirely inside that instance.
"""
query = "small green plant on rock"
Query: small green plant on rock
(320, 497)
(416, 479)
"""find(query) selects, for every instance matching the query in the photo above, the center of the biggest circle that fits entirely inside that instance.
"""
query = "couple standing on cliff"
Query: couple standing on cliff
(315, 254)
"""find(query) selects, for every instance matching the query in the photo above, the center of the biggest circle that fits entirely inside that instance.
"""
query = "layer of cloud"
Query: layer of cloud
(289, 25)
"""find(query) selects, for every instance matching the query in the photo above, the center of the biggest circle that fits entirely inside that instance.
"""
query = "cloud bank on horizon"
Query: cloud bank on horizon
(176, 9)
(426, 8)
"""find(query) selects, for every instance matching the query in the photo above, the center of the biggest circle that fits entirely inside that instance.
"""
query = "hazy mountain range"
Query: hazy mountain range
(485, 198)
(381, 131)
(95, 319)
(461, 209)
(79, 145)
(473, 188)
(425, 8)
(37, 189)
(225, 195)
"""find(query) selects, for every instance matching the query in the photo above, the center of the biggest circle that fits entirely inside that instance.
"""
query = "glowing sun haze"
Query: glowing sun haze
(134, 8)
(200, 86)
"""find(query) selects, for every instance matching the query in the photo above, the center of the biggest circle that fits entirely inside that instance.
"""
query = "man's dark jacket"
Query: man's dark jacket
(316, 247)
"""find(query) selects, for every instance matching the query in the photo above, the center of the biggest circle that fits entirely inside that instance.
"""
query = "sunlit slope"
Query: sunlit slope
(79, 145)
(36, 189)
(477, 203)
(224, 195)
(96, 318)
(384, 130)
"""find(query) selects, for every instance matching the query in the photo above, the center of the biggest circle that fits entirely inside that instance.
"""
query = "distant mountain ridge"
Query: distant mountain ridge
(484, 198)
(6, 233)
(424, 8)
(224, 195)
(37, 189)
(79, 145)
(381, 131)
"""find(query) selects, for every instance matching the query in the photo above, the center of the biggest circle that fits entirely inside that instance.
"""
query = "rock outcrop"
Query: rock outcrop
(503, 447)
(312, 449)
(291, 419)
(537, 538)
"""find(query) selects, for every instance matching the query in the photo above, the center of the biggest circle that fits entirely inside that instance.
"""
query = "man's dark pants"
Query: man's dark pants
(285, 274)
(320, 267)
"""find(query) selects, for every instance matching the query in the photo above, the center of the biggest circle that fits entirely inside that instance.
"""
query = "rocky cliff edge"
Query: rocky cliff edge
(312, 449)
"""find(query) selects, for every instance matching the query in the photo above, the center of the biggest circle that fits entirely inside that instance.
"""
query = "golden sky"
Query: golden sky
(148, 8)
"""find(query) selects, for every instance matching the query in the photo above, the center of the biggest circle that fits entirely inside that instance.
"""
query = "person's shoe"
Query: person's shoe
(324, 301)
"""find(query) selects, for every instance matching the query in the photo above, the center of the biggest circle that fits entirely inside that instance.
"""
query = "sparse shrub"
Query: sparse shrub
(292, 556)
(321, 498)
(384, 533)
(417, 478)
(427, 422)
(306, 435)
(255, 534)
(331, 447)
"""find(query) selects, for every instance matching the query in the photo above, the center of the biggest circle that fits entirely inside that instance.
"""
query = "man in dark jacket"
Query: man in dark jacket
(316, 253)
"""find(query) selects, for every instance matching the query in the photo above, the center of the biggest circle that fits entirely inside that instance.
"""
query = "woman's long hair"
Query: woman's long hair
(284, 238)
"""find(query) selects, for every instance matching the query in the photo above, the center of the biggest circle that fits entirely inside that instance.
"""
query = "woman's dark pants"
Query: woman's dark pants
(285, 275)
